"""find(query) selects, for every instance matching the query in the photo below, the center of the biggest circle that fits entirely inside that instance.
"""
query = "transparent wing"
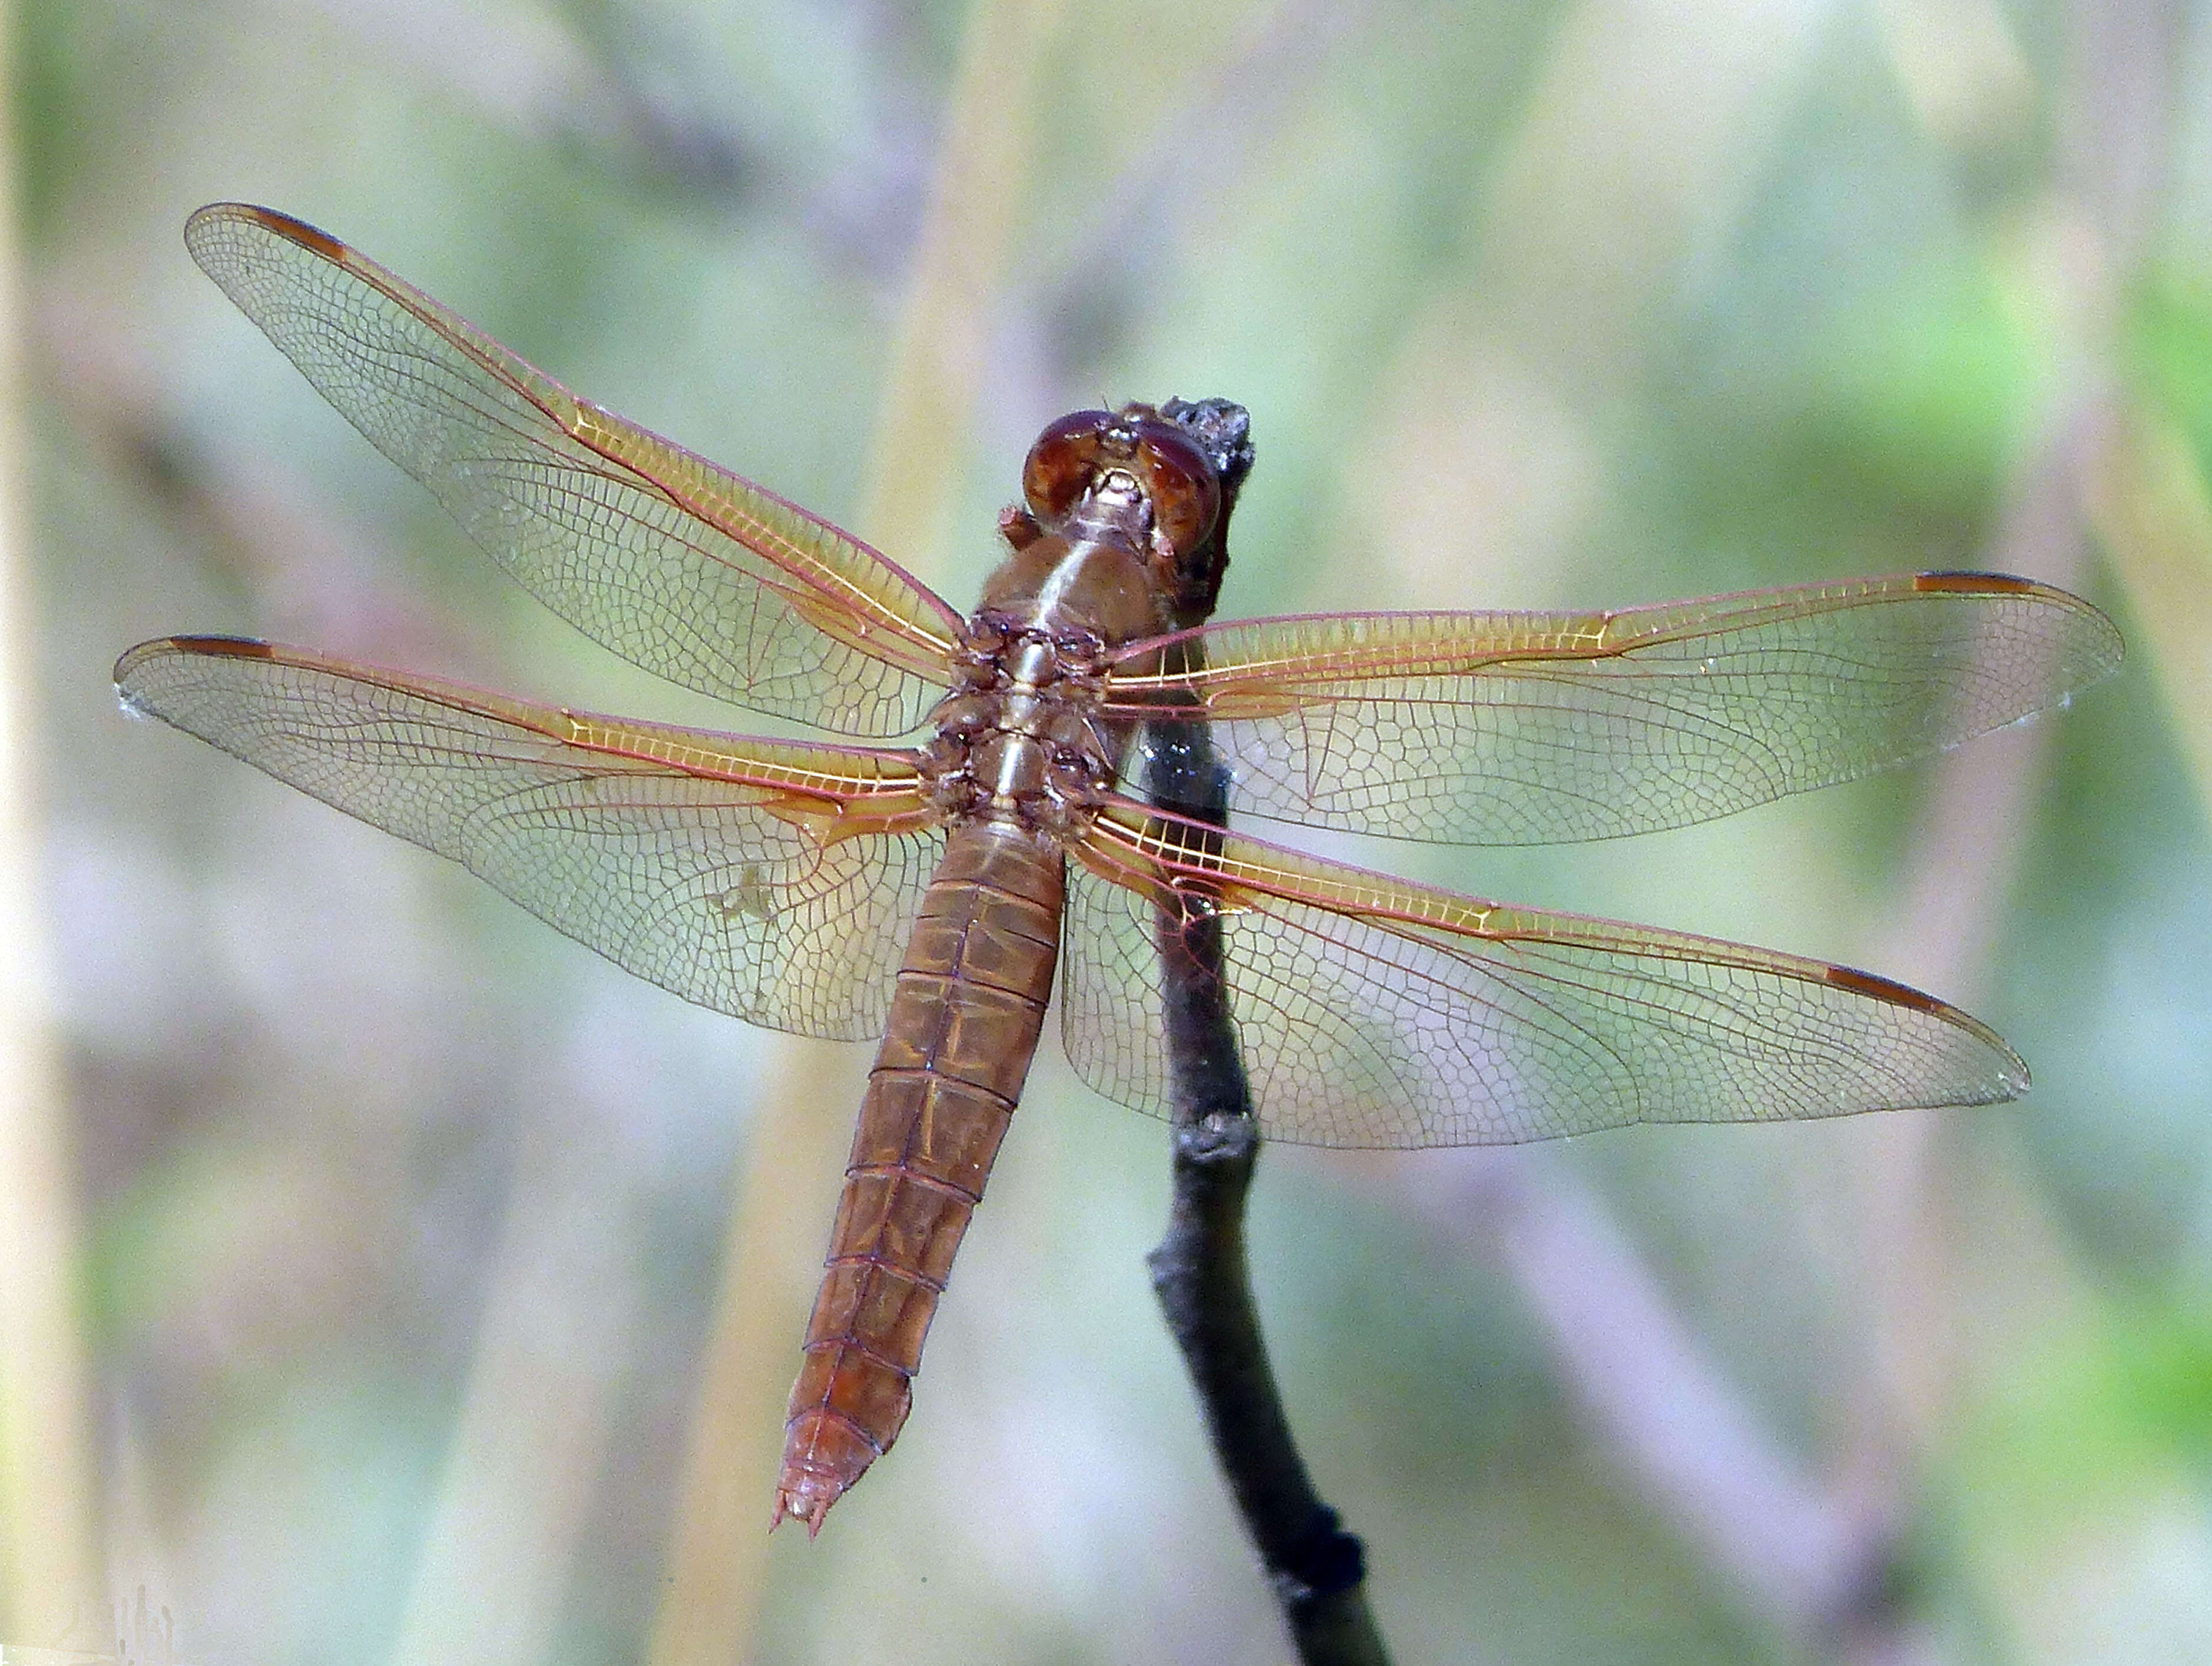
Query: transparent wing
(671, 562)
(1374, 1013)
(771, 881)
(1532, 729)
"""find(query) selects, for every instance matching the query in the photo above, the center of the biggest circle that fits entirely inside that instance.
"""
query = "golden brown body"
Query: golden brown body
(1114, 502)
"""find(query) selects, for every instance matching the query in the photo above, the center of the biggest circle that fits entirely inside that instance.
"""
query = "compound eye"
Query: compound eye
(1063, 461)
(1181, 482)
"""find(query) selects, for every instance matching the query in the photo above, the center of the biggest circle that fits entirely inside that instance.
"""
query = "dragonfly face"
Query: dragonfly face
(929, 894)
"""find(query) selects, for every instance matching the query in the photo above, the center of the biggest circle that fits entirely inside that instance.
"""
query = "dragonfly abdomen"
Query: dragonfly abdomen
(963, 1025)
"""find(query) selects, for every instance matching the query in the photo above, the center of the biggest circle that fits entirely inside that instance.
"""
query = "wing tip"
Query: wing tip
(129, 684)
(2100, 653)
(2009, 1079)
(201, 222)
(163, 648)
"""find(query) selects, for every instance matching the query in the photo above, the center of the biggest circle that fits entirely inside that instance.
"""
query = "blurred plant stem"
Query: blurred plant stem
(977, 200)
(49, 1569)
(718, 1550)
(2148, 500)
(531, 1439)
(717, 1560)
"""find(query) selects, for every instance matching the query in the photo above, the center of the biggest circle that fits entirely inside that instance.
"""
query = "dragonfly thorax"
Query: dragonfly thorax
(1019, 740)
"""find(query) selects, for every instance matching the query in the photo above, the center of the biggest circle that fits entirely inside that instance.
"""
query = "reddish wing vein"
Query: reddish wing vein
(673, 562)
(769, 880)
(1374, 1012)
(1528, 728)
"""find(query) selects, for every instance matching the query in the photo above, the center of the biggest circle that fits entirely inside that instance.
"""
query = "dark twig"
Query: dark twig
(1199, 1270)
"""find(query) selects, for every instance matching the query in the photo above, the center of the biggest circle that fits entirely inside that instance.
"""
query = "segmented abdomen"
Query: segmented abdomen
(963, 1025)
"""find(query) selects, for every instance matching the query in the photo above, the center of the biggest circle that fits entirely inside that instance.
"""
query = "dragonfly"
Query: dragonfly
(1010, 805)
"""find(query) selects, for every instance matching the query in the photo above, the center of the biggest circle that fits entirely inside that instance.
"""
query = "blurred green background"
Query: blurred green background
(403, 1223)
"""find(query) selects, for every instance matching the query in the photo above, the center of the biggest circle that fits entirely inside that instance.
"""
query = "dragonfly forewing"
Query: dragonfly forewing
(1533, 729)
(672, 562)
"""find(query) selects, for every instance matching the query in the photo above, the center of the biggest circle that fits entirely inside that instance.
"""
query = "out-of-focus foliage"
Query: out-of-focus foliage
(404, 1216)
(2168, 348)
